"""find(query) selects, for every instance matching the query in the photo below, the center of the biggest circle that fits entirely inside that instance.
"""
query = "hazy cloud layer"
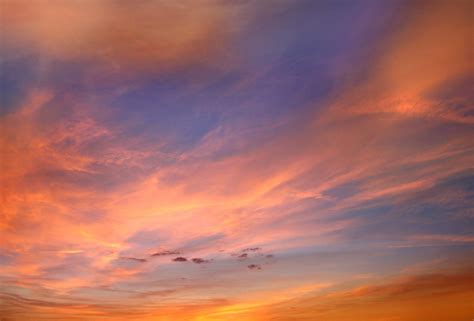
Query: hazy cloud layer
(214, 160)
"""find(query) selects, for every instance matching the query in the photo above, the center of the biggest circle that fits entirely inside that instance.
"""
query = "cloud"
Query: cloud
(12, 307)
(340, 147)
(251, 249)
(180, 259)
(407, 298)
(445, 238)
(118, 34)
(161, 253)
(134, 259)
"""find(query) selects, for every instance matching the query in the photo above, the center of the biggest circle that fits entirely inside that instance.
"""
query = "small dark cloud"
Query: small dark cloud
(198, 260)
(243, 256)
(133, 259)
(269, 256)
(180, 259)
(162, 253)
(254, 267)
(252, 249)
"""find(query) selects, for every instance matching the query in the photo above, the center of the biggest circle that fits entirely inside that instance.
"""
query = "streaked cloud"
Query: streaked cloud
(221, 161)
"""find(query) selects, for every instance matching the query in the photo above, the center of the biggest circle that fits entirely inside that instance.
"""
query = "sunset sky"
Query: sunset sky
(236, 160)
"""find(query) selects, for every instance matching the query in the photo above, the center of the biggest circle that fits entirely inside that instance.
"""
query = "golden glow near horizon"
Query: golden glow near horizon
(254, 161)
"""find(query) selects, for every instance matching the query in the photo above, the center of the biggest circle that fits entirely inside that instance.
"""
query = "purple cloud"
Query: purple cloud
(180, 259)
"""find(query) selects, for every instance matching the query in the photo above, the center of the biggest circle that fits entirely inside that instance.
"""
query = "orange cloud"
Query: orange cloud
(70, 214)
(423, 297)
(120, 34)
(434, 46)
(430, 49)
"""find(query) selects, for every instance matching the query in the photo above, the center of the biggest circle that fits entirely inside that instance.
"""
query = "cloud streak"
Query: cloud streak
(316, 165)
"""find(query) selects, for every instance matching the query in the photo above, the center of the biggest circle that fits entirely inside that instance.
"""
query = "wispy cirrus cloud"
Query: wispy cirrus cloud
(137, 140)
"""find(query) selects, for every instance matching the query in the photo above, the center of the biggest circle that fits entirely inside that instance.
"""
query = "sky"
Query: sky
(217, 160)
